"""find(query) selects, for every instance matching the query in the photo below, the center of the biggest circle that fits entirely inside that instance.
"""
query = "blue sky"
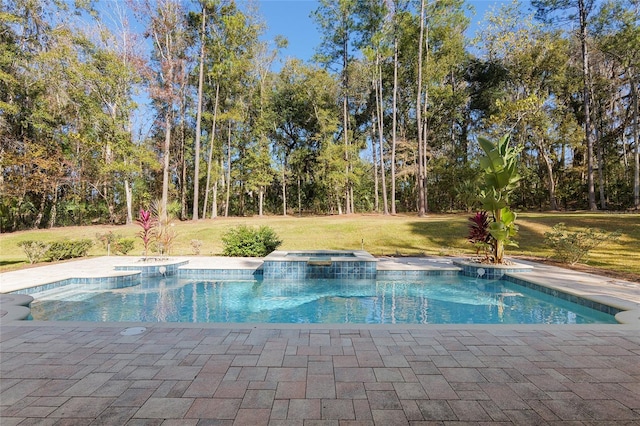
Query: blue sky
(291, 18)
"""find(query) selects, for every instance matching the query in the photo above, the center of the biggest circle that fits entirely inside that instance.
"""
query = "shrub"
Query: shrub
(572, 247)
(115, 243)
(164, 231)
(123, 246)
(68, 249)
(196, 245)
(479, 234)
(107, 239)
(243, 241)
(35, 250)
(148, 224)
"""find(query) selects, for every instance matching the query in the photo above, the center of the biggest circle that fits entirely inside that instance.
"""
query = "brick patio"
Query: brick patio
(172, 374)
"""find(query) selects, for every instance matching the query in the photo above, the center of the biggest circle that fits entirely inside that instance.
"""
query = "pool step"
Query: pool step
(72, 292)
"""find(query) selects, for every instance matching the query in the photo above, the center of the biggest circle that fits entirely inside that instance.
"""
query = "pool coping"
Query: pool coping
(619, 294)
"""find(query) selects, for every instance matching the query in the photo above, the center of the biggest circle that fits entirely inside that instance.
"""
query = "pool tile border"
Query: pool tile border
(564, 295)
(489, 271)
(122, 280)
(154, 269)
(220, 274)
(416, 273)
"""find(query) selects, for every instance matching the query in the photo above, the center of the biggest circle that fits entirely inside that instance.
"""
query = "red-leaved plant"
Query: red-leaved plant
(479, 232)
(148, 223)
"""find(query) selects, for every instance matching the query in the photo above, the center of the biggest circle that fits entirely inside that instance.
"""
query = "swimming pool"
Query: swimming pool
(431, 300)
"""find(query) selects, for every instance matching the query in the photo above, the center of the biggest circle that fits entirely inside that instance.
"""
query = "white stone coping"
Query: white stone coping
(309, 255)
(479, 264)
(14, 306)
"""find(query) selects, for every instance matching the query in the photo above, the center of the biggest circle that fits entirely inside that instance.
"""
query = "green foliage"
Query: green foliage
(68, 249)
(500, 172)
(123, 246)
(35, 250)
(573, 247)
(69, 157)
(115, 243)
(244, 241)
(500, 179)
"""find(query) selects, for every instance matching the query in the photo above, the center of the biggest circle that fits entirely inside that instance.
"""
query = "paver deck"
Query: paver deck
(77, 373)
(242, 375)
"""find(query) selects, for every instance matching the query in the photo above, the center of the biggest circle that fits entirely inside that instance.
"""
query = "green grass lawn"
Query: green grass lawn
(379, 235)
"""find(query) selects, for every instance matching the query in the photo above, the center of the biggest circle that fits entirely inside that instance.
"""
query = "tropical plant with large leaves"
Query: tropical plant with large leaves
(500, 172)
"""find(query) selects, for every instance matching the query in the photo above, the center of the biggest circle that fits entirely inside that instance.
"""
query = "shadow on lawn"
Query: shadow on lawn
(10, 262)
(443, 234)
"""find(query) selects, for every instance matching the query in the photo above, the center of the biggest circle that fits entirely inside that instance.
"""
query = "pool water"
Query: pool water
(436, 300)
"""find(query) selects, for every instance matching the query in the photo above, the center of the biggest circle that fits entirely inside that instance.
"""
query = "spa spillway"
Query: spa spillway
(337, 264)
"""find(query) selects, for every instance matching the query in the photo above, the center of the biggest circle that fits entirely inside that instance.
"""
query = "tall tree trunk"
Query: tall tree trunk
(226, 205)
(108, 160)
(54, 207)
(376, 183)
(183, 161)
(425, 130)
(260, 200)
(346, 153)
(553, 203)
(210, 156)
(586, 93)
(636, 139)
(601, 184)
(129, 198)
(394, 123)
(214, 200)
(196, 154)
(299, 197)
(351, 198)
(284, 189)
(421, 200)
(345, 119)
(40, 215)
(165, 159)
(380, 112)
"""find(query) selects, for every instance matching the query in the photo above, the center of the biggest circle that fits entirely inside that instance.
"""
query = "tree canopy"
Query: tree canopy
(386, 117)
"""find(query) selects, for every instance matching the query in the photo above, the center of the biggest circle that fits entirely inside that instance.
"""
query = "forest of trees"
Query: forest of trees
(384, 119)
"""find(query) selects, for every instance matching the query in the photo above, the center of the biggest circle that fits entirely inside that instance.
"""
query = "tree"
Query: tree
(165, 20)
(552, 11)
(337, 25)
(305, 114)
(374, 44)
(444, 93)
(196, 155)
(421, 147)
(112, 71)
(533, 107)
(618, 34)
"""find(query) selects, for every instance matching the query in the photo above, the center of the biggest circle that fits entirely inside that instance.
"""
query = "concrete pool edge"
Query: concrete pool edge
(14, 307)
(620, 294)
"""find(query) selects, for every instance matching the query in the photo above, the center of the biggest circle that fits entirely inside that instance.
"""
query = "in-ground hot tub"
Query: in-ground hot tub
(339, 264)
